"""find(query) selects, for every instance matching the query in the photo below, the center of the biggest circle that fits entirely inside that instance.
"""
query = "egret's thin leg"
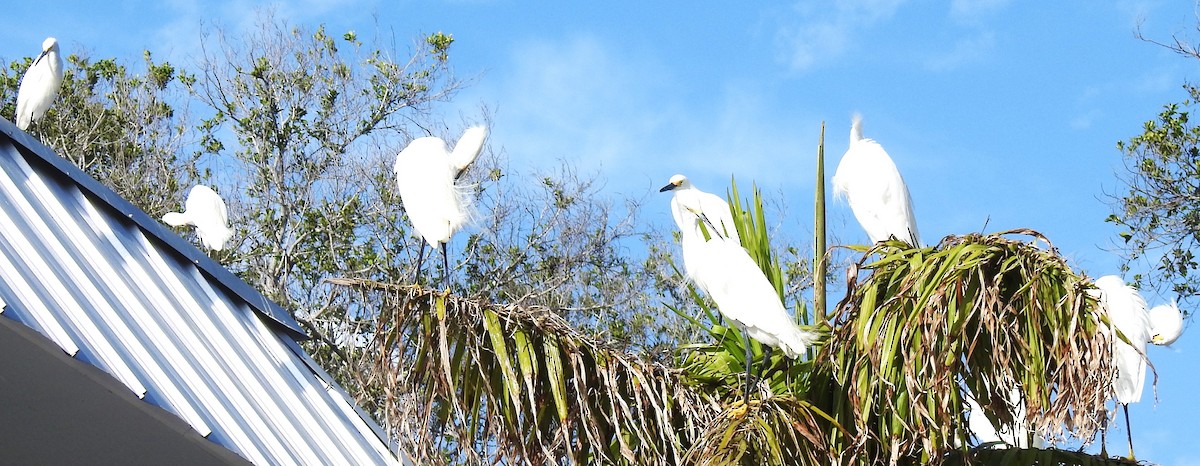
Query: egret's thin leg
(762, 365)
(1104, 438)
(1128, 432)
(420, 258)
(749, 365)
(445, 269)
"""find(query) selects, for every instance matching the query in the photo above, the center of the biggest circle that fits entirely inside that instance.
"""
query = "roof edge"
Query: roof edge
(29, 145)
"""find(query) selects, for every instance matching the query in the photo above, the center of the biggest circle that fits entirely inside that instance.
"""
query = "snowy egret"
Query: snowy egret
(205, 210)
(1126, 311)
(1166, 324)
(689, 204)
(1016, 434)
(40, 84)
(713, 210)
(426, 173)
(869, 181)
(724, 270)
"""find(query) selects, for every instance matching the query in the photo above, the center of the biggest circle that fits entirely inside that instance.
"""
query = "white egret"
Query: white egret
(711, 208)
(725, 271)
(1016, 434)
(869, 181)
(426, 175)
(689, 204)
(205, 210)
(40, 84)
(1166, 324)
(1126, 311)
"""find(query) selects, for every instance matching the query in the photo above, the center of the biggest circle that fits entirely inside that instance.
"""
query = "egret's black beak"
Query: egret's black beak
(39, 58)
(668, 187)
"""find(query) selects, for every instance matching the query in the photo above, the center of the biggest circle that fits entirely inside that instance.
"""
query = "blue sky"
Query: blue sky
(997, 112)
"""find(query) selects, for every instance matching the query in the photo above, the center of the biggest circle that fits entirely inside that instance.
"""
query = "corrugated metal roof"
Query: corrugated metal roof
(116, 289)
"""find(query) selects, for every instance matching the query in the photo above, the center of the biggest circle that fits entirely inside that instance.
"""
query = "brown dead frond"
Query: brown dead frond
(470, 382)
(987, 314)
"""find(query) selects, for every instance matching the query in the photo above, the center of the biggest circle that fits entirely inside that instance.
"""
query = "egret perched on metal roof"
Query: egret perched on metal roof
(869, 181)
(426, 178)
(724, 270)
(1127, 312)
(40, 84)
(205, 210)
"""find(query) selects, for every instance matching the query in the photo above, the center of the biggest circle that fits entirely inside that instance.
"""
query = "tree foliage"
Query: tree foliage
(301, 105)
(1160, 208)
(128, 130)
(571, 337)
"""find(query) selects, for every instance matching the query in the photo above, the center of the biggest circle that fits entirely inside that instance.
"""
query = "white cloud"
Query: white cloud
(185, 21)
(974, 10)
(579, 100)
(967, 50)
(612, 111)
(809, 35)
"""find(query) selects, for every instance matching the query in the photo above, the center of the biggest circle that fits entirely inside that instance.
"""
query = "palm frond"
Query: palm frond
(987, 312)
(775, 430)
(470, 382)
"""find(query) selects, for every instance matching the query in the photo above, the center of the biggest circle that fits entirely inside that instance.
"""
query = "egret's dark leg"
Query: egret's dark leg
(1104, 441)
(420, 258)
(445, 269)
(1128, 432)
(762, 366)
(749, 365)
(1104, 438)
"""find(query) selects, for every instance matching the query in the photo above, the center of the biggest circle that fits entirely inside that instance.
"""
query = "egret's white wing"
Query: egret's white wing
(208, 212)
(425, 181)
(743, 294)
(1127, 312)
(719, 213)
(871, 184)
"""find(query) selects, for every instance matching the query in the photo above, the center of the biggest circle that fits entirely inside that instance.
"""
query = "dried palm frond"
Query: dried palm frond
(981, 313)
(473, 383)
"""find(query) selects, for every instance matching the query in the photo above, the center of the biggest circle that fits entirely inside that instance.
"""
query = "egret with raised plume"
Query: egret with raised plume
(868, 180)
(427, 178)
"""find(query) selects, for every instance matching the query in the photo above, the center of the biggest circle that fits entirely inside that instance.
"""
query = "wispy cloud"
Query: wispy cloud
(967, 50)
(613, 111)
(579, 100)
(185, 21)
(968, 11)
(811, 34)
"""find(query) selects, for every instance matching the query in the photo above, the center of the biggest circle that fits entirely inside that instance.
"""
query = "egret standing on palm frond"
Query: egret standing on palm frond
(729, 276)
(869, 181)
(427, 177)
(1127, 312)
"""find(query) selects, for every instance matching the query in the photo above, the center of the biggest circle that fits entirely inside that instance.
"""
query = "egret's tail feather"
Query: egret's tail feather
(176, 219)
(796, 341)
